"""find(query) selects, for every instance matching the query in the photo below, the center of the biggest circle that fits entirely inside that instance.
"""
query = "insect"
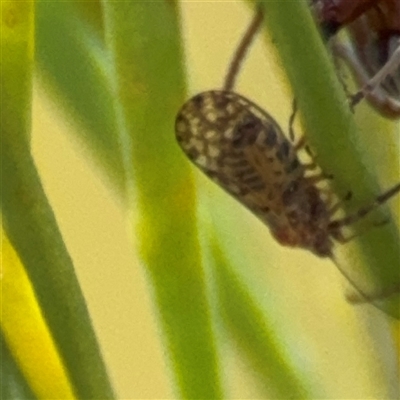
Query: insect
(243, 149)
(374, 52)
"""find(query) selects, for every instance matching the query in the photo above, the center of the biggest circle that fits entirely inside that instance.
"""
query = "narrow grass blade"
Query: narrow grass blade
(21, 317)
(335, 138)
(144, 42)
(73, 64)
(252, 332)
(29, 221)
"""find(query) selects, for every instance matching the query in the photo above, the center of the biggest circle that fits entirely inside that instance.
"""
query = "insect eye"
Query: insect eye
(246, 132)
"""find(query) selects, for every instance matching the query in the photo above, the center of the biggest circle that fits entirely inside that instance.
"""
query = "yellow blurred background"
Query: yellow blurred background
(342, 348)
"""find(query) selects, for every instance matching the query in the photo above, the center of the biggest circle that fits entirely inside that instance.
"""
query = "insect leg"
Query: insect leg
(336, 207)
(388, 69)
(242, 49)
(292, 134)
(311, 166)
(345, 53)
(334, 226)
(386, 104)
(312, 180)
(341, 238)
(334, 45)
(302, 143)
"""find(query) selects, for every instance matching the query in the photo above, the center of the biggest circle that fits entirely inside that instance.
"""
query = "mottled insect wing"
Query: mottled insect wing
(238, 145)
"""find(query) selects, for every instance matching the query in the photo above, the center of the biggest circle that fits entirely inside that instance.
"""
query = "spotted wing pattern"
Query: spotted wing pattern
(240, 147)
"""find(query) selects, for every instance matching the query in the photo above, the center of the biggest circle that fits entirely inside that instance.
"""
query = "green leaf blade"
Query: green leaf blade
(338, 143)
(29, 220)
(144, 41)
(74, 66)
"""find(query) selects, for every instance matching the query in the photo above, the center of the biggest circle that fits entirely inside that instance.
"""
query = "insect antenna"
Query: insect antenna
(242, 49)
(362, 212)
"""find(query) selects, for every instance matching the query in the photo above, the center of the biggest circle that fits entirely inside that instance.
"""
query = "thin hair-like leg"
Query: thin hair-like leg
(335, 225)
(242, 49)
(335, 228)
(388, 69)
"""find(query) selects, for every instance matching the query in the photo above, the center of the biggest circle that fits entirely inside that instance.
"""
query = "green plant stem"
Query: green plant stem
(28, 218)
(80, 76)
(333, 135)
